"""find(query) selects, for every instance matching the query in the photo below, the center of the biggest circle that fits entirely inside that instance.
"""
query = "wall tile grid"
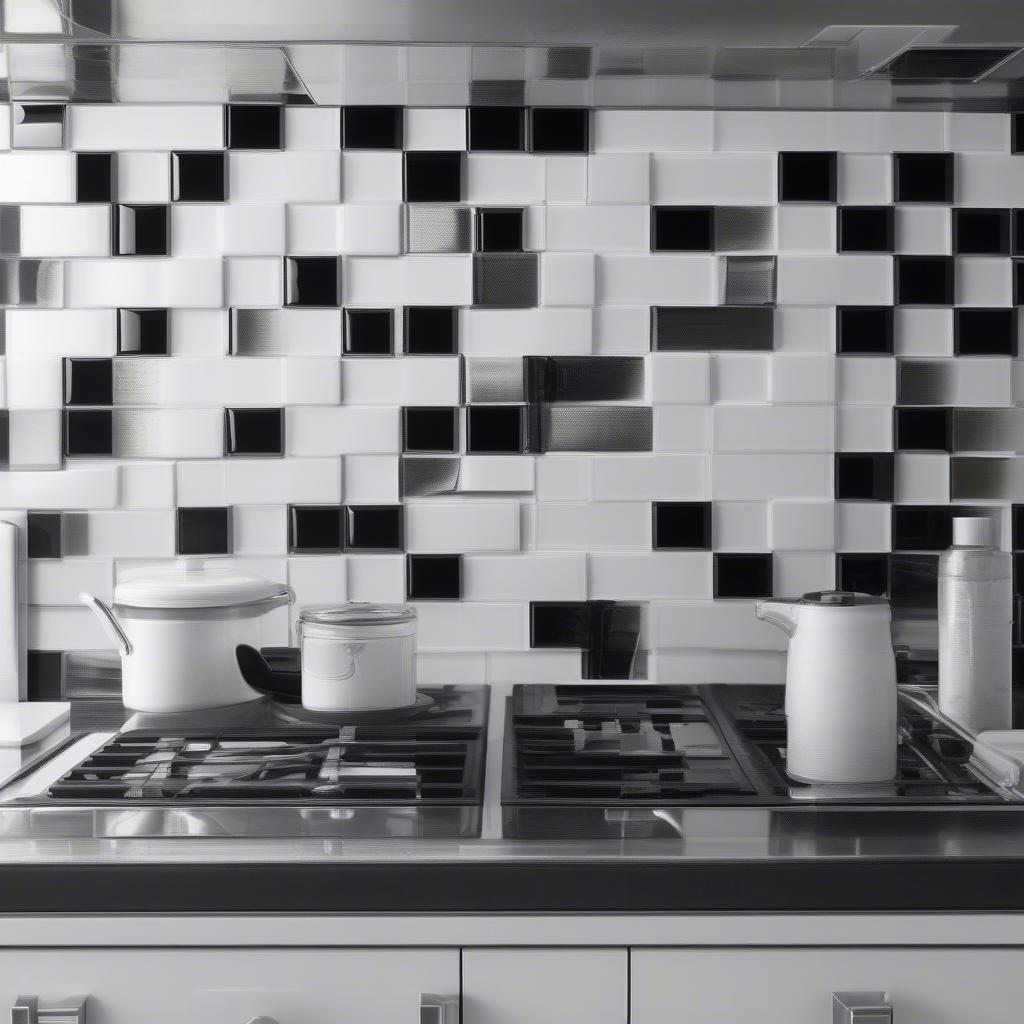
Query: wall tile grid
(574, 382)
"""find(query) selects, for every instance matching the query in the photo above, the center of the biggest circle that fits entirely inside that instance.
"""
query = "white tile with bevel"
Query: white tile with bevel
(147, 484)
(622, 228)
(838, 280)
(806, 228)
(739, 525)
(200, 483)
(505, 178)
(64, 628)
(374, 280)
(565, 179)
(654, 477)
(38, 177)
(61, 332)
(651, 575)
(803, 526)
(379, 578)
(169, 433)
(438, 280)
(435, 128)
(769, 475)
(255, 229)
(197, 229)
(801, 379)
(650, 131)
(371, 479)
(82, 230)
(342, 430)
(60, 581)
(534, 228)
(290, 480)
(618, 178)
(427, 380)
(461, 526)
(805, 329)
(121, 534)
(905, 131)
(198, 332)
(318, 579)
(563, 477)
(253, 281)
(922, 331)
(657, 279)
(924, 229)
(864, 179)
(773, 130)
(863, 526)
(371, 177)
(34, 383)
(803, 572)
(567, 279)
(978, 132)
(311, 382)
(922, 478)
(259, 529)
(716, 179)
(458, 626)
(191, 282)
(682, 428)
(109, 127)
(739, 378)
(282, 176)
(722, 625)
(680, 378)
(496, 474)
(312, 127)
(35, 439)
(372, 229)
(866, 380)
(143, 178)
(86, 488)
(863, 428)
(622, 330)
(531, 577)
(590, 526)
(516, 332)
(984, 281)
(774, 428)
(988, 180)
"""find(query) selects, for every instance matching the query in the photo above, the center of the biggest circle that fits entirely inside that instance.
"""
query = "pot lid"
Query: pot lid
(358, 613)
(191, 585)
(841, 599)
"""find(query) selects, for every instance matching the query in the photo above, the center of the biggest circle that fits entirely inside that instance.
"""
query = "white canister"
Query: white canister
(358, 657)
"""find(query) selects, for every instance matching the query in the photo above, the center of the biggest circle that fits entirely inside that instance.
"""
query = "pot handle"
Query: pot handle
(109, 623)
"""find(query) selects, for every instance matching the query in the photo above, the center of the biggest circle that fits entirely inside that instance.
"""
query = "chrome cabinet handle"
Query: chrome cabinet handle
(861, 1008)
(439, 1009)
(26, 1010)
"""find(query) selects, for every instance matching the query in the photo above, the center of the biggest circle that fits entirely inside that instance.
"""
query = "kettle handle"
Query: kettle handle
(109, 623)
(782, 614)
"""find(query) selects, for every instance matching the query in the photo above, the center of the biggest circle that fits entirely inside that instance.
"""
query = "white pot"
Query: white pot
(178, 628)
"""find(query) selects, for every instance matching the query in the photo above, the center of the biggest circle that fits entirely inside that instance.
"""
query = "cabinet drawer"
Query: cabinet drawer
(794, 985)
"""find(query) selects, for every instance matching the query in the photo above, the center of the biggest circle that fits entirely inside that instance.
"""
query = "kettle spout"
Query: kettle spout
(784, 614)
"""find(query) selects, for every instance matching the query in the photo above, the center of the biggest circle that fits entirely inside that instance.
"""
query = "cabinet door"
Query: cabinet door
(232, 986)
(795, 986)
(544, 986)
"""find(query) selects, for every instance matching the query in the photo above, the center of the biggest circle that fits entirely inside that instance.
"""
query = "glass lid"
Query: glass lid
(358, 613)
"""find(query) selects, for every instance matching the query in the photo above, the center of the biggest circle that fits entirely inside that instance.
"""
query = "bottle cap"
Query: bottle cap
(973, 531)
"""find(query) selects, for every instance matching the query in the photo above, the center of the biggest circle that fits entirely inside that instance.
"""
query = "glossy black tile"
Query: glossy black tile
(434, 177)
(865, 229)
(614, 649)
(981, 232)
(1018, 282)
(922, 527)
(922, 177)
(95, 177)
(499, 230)
(141, 230)
(495, 429)
(45, 534)
(254, 431)
(913, 585)
(374, 528)
(1017, 528)
(712, 328)
(924, 280)
(142, 332)
(923, 430)
(559, 130)
(433, 577)
(372, 127)
(315, 529)
(506, 280)
(497, 128)
(430, 330)
(203, 531)
(864, 330)
(199, 177)
(561, 624)
(45, 675)
(984, 332)
(682, 228)
(863, 573)
(584, 378)
(254, 126)
(681, 524)
(88, 381)
(88, 432)
(742, 575)
(312, 281)
(369, 332)
(864, 476)
(1017, 232)
(430, 429)
(807, 177)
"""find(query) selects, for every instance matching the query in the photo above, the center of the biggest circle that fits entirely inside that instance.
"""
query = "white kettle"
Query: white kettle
(840, 687)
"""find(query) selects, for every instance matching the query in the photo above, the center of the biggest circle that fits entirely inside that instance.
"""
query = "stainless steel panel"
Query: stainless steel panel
(32, 283)
(748, 280)
(137, 381)
(988, 430)
(494, 380)
(712, 328)
(744, 228)
(423, 476)
(10, 230)
(986, 479)
(596, 428)
(431, 228)
(37, 126)
(505, 280)
(926, 382)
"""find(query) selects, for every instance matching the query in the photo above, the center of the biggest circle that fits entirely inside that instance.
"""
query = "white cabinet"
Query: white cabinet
(545, 986)
(232, 986)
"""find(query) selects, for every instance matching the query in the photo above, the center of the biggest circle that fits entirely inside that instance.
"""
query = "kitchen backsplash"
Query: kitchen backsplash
(574, 382)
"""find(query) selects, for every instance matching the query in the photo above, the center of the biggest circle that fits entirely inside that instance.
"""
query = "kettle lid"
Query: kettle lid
(841, 599)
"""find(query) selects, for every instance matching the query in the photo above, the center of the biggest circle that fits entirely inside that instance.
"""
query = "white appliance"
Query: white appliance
(840, 687)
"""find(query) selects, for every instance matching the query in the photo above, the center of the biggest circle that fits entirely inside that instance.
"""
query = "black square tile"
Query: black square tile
(495, 428)
(682, 228)
(922, 527)
(913, 585)
(142, 332)
(45, 534)
(923, 430)
(254, 431)
(681, 524)
(499, 230)
(88, 432)
(369, 332)
(984, 332)
(45, 675)
(559, 130)
(807, 177)
(1018, 282)
(312, 281)
(430, 429)
(1017, 232)
(95, 174)
(199, 177)
(374, 528)
(1017, 529)
(981, 232)
(864, 330)
(433, 177)
(922, 177)
(141, 230)
(372, 127)
(254, 126)
(743, 575)
(315, 529)
(924, 280)
(433, 577)
(88, 381)
(430, 330)
(497, 128)
(203, 531)
(865, 229)
(562, 624)
(865, 476)
(506, 280)
(863, 573)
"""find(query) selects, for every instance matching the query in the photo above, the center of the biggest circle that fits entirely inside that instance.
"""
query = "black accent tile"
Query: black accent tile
(433, 177)
(712, 328)
(142, 332)
(312, 281)
(499, 230)
(864, 330)
(559, 130)
(807, 177)
(369, 332)
(913, 585)
(315, 529)
(374, 528)
(372, 127)
(613, 652)
(981, 232)
(254, 431)
(199, 177)
(495, 428)
(45, 675)
(141, 230)
(682, 228)
(1017, 529)
(95, 174)
(584, 378)
(254, 126)
(203, 531)
(497, 128)
(681, 524)
(865, 476)
(923, 430)
(865, 229)
(924, 280)
(45, 535)
(922, 527)
(430, 330)
(88, 381)
(506, 280)
(561, 624)
(88, 432)
(1017, 232)
(984, 332)
(1018, 282)
(430, 429)
(433, 577)
(922, 177)
(743, 575)
(1017, 133)
(863, 573)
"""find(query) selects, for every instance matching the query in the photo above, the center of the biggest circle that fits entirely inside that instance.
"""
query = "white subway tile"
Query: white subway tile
(803, 526)
(435, 128)
(622, 330)
(771, 475)
(311, 382)
(774, 428)
(922, 331)
(533, 667)
(197, 229)
(61, 629)
(255, 229)
(275, 481)
(200, 484)
(439, 280)
(800, 379)
(61, 332)
(900, 131)
(739, 525)
(805, 329)
(739, 378)
(566, 179)
(983, 281)
(563, 477)
(864, 179)
(517, 178)
(583, 526)
(524, 577)
(38, 177)
(458, 626)
(35, 439)
(147, 484)
(60, 581)
(376, 578)
(649, 131)
(655, 574)
(371, 479)
(426, 380)
(975, 131)
(682, 428)
(773, 130)
(285, 176)
(515, 332)
(447, 668)
(134, 534)
(496, 474)
(342, 430)
(682, 378)
(863, 526)
(372, 177)
(144, 282)
(372, 229)
(619, 178)
(809, 228)
(63, 489)
(107, 127)
(312, 127)
(169, 433)
(253, 281)
(259, 530)
(642, 477)
(198, 332)
(922, 478)
(716, 179)
(988, 180)
(863, 428)
(798, 573)
(866, 380)
(924, 229)
(567, 279)
(844, 279)
(65, 230)
(597, 228)
(718, 625)
(34, 383)
(143, 178)
(318, 579)
(373, 280)
(461, 526)
(657, 279)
